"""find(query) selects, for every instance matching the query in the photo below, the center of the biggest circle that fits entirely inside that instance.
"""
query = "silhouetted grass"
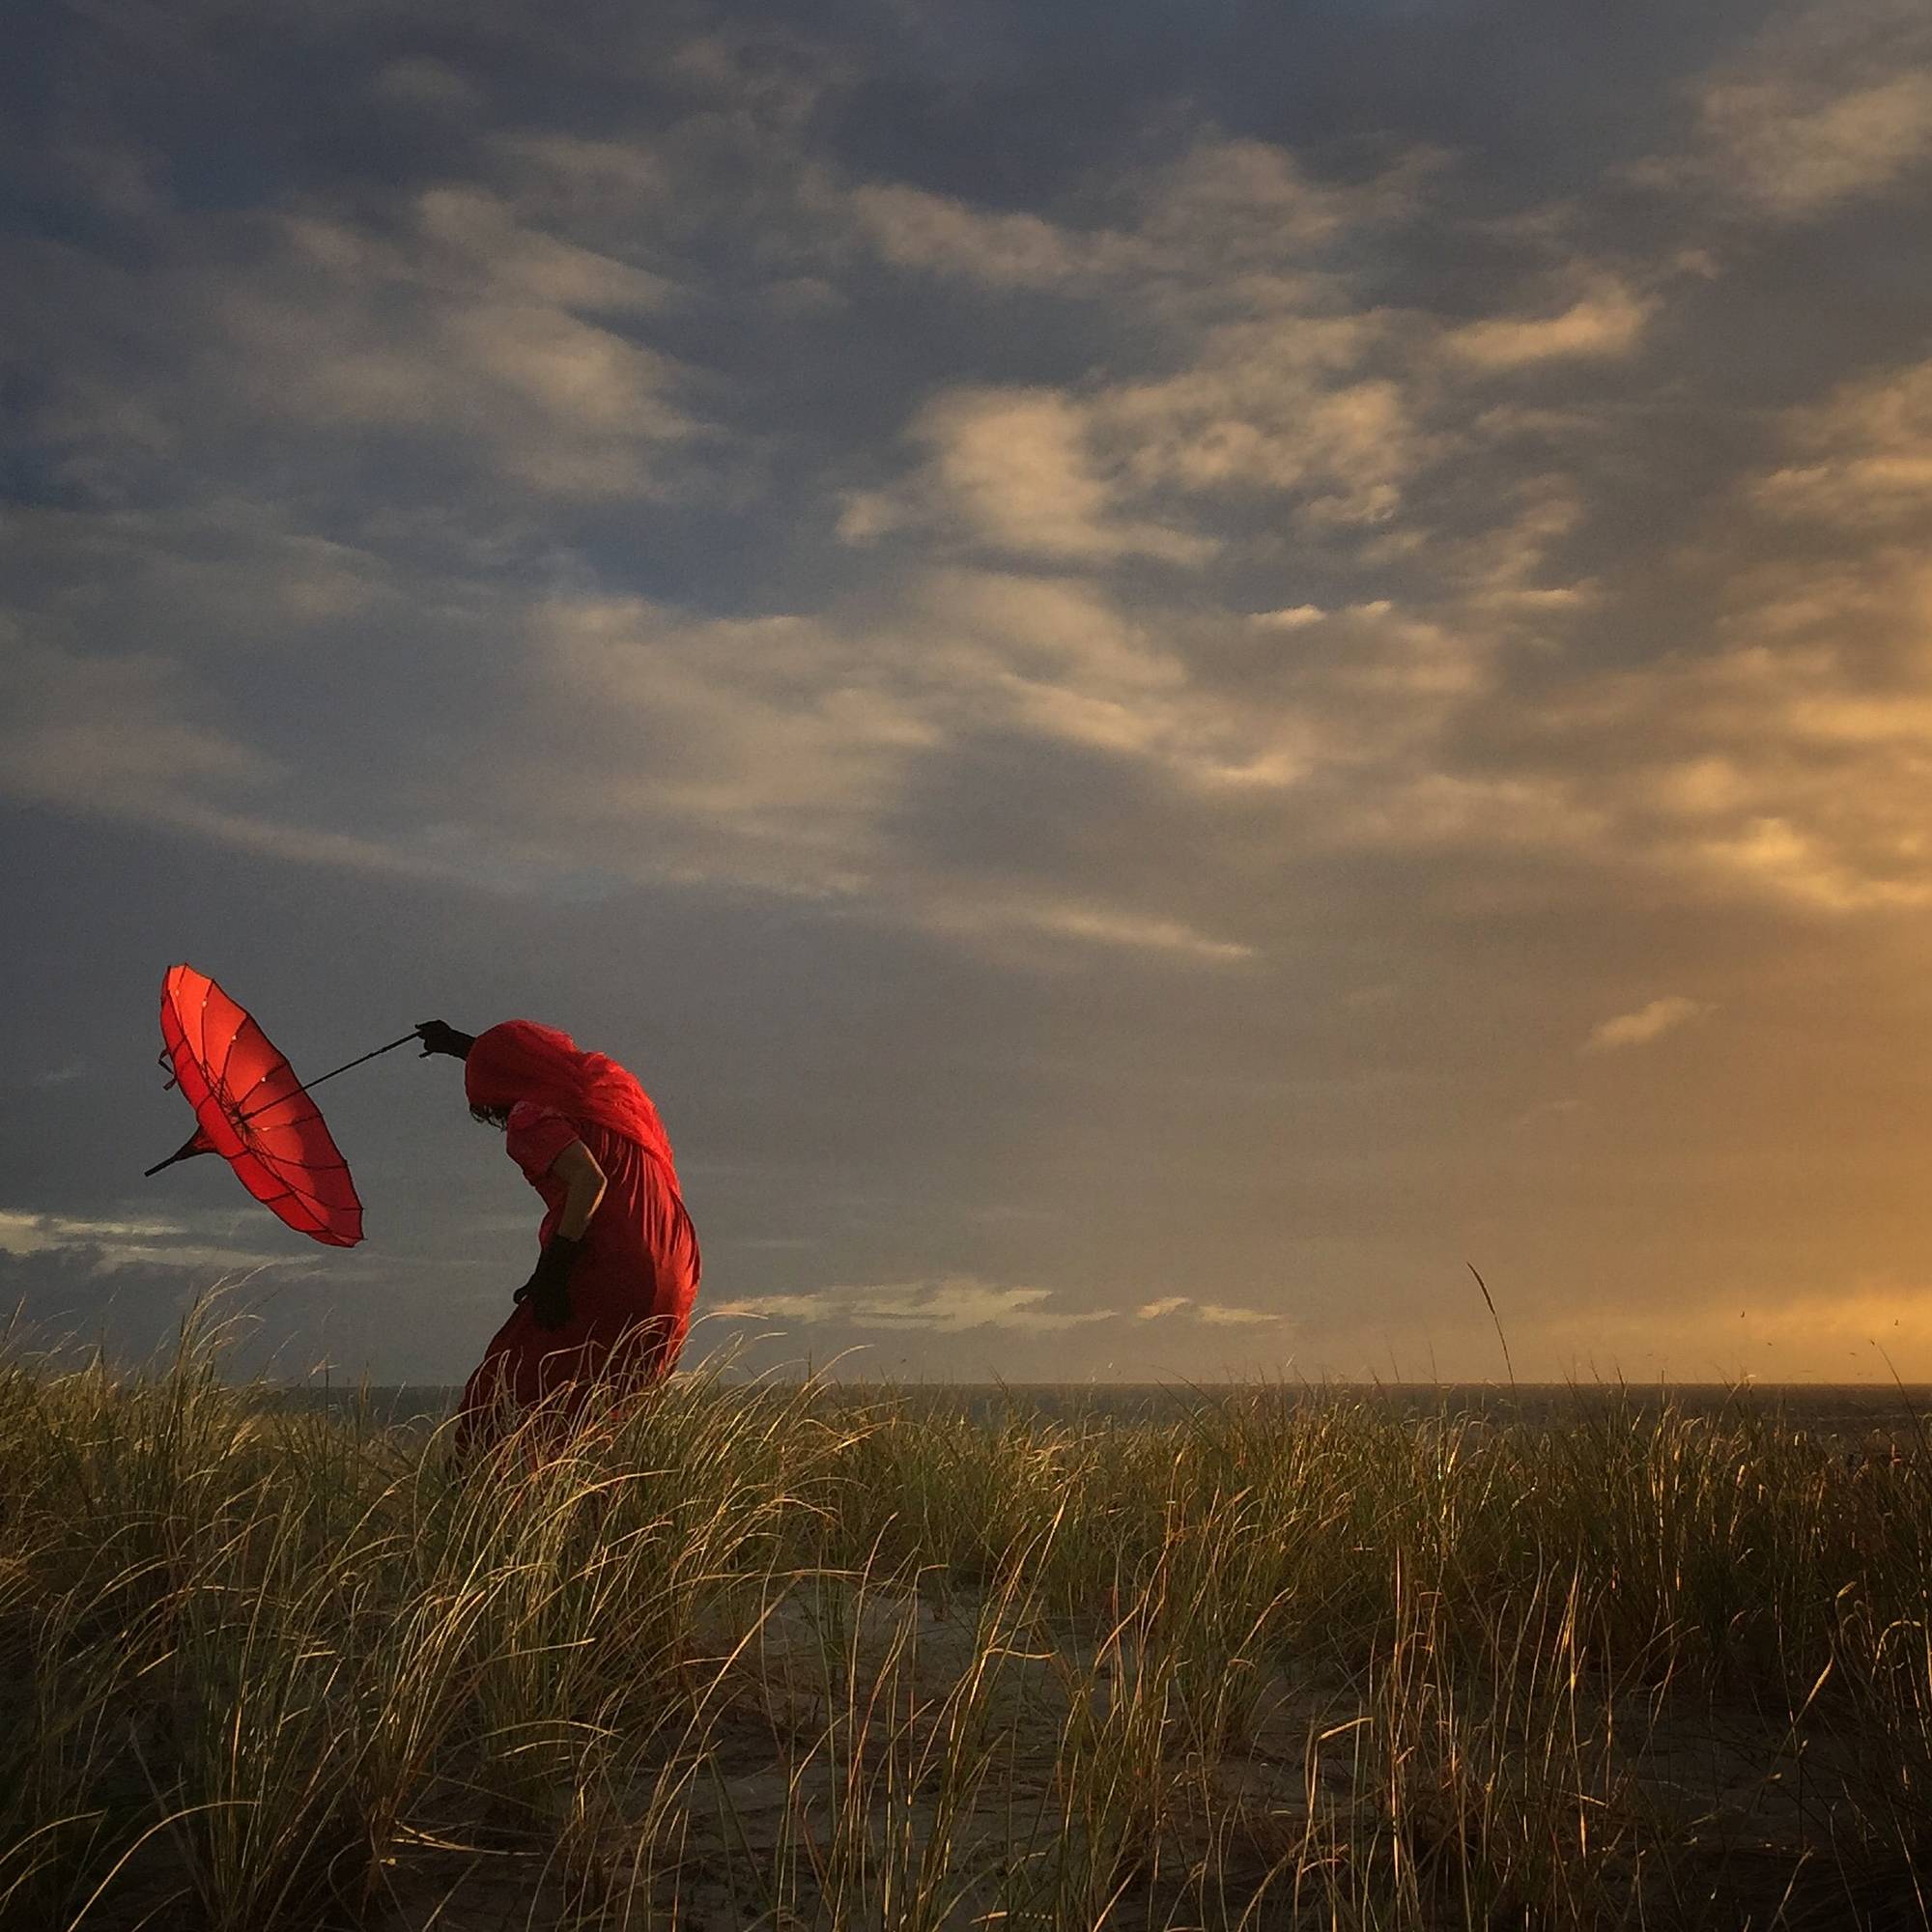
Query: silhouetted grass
(743, 1656)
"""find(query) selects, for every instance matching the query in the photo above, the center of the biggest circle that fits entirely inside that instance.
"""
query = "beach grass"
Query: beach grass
(786, 1656)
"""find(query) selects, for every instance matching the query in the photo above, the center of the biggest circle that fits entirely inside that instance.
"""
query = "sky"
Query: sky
(1168, 673)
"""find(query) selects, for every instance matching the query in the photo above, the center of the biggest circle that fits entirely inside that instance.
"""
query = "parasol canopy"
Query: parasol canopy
(250, 1109)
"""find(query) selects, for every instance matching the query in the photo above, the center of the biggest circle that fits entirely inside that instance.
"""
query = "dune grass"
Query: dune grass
(782, 1657)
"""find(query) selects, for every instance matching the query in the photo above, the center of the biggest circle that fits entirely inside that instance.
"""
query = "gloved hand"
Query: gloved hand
(440, 1036)
(548, 1289)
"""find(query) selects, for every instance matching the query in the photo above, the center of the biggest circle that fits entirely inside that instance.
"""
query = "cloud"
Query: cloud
(1015, 470)
(957, 1304)
(949, 1306)
(779, 751)
(790, 750)
(985, 912)
(795, 751)
(1798, 145)
(1116, 929)
(1221, 1314)
(109, 1244)
(455, 329)
(1291, 618)
(1167, 1308)
(769, 746)
(1238, 259)
(472, 329)
(1648, 1023)
(506, 321)
(116, 737)
(1608, 323)
(1222, 215)
(1421, 808)
(1825, 106)
(1231, 424)
(23, 1233)
(1252, 206)
(1863, 456)
(912, 229)
(112, 733)
(1772, 755)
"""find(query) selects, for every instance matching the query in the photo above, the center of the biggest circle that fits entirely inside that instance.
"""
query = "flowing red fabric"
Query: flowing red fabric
(635, 1280)
(521, 1061)
(251, 1110)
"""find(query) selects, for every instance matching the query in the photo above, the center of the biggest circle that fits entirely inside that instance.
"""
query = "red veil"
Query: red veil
(522, 1060)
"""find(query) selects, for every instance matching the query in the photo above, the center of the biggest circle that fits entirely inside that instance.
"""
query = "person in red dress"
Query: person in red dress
(617, 1273)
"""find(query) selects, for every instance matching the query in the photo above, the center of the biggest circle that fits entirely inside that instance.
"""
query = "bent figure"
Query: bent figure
(617, 1276)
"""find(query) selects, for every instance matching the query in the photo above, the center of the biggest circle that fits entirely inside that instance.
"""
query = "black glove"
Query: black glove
(547, 1290)
(440, 1036)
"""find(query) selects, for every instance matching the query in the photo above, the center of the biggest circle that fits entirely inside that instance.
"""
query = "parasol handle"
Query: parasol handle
(305, 1086)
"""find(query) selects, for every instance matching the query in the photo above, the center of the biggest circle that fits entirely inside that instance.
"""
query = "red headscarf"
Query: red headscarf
(522, 1060)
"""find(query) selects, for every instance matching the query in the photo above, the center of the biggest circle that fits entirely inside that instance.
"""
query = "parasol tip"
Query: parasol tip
(189, 1148)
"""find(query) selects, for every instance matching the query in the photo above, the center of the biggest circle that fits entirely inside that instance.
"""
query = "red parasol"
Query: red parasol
(250, 1109)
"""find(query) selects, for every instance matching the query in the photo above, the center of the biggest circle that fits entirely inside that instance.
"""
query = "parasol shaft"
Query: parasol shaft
(305, 1086)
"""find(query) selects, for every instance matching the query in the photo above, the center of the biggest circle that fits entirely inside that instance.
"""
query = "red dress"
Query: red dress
(636, 1277)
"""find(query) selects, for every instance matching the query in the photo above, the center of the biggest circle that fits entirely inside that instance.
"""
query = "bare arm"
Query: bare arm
(583, 1184)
